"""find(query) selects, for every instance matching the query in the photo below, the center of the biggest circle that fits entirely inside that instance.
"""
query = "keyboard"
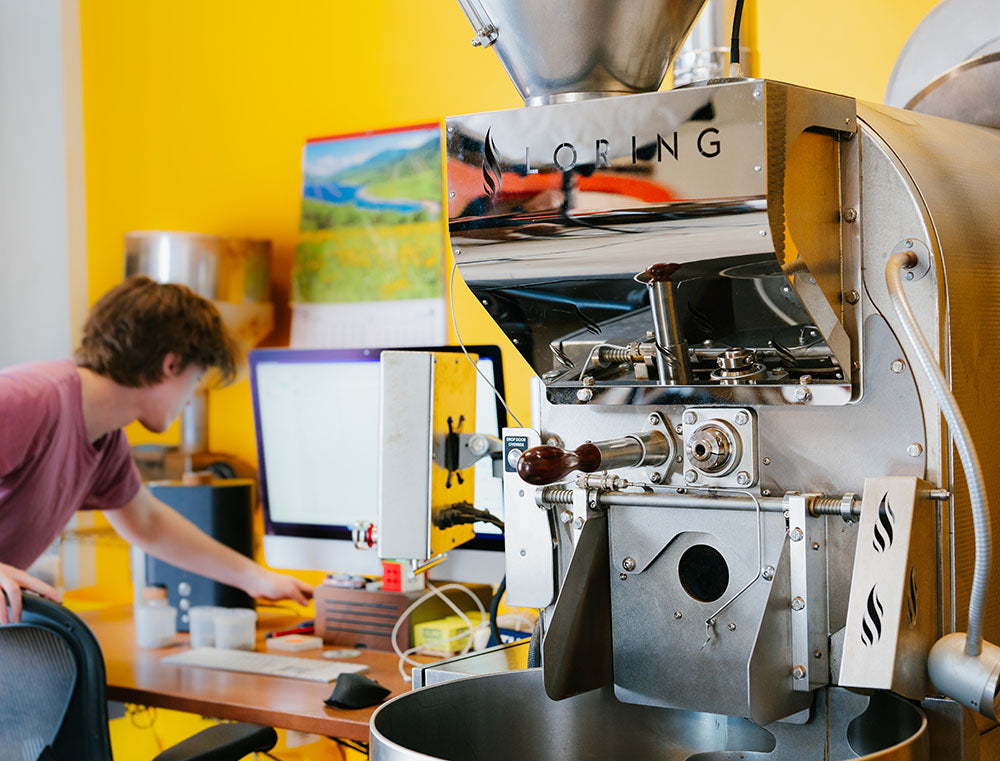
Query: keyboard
(267, 664)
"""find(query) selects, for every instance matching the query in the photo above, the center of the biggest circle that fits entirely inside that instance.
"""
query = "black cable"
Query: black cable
(463, 512)
(358, 747)
(734, 51)
(535, 644)
(494, 607)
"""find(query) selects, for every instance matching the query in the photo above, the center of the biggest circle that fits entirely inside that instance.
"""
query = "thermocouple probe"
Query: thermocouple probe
(544, 465)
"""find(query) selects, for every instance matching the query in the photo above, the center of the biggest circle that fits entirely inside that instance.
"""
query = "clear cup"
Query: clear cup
(236, 628)
(155, 625)
(201, 624)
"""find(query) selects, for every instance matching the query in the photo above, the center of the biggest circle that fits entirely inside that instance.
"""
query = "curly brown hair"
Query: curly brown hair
(137, 323)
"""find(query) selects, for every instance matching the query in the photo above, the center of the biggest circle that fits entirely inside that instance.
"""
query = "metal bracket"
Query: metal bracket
(919, 249)
(807, 592)
(528, 541)
(486, 31)
(735, 424)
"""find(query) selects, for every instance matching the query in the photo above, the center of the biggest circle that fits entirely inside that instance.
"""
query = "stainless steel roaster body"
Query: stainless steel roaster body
(746, 524)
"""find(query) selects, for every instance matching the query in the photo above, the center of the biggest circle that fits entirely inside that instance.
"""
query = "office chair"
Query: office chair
(52, 696)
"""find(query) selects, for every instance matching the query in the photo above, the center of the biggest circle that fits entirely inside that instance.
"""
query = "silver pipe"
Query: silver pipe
(672, 362)
(691, 501)
(963, 443)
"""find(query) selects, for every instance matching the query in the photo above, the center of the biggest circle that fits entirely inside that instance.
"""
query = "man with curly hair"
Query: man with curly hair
(145, 349)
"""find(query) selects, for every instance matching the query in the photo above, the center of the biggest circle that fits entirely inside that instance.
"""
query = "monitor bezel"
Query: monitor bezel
(492, 542)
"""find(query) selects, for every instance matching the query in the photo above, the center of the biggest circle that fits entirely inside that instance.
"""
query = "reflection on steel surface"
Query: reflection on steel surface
(582, 199)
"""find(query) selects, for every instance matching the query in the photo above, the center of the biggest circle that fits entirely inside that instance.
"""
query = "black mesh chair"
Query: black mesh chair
(52, 697)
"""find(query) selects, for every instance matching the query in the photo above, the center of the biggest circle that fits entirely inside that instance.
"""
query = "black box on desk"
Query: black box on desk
(353, 617)
(224, 511)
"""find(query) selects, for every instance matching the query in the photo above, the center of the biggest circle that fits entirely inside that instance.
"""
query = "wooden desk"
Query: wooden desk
(136, 676)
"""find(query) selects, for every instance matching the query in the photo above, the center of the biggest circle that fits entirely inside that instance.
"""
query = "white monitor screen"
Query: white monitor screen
(317, 440)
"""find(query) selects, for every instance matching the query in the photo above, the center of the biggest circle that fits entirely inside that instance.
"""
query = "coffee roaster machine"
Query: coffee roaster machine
(748, 506)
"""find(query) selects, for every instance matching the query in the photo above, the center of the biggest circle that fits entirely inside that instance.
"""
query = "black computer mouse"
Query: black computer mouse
(356, 691)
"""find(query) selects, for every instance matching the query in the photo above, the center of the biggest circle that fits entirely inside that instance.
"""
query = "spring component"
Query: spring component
(553, 495)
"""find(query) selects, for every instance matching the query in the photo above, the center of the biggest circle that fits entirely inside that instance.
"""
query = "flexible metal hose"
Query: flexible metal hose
(963, 442)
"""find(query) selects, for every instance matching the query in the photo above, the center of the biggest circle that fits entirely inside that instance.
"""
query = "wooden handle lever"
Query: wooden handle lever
(541, 466)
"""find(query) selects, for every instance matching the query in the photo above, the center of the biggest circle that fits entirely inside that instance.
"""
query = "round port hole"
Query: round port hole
(703, 573)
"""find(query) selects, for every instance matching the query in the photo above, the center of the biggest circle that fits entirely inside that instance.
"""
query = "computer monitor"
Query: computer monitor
(316, 417)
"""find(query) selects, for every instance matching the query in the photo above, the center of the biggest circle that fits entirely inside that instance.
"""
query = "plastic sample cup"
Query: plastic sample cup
(236, 628)
(202, 625)
(155, 625)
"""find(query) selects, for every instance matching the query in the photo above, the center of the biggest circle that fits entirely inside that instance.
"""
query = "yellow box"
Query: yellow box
(442, 636)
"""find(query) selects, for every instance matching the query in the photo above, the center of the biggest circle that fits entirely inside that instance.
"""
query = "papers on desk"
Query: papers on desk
(265, 664)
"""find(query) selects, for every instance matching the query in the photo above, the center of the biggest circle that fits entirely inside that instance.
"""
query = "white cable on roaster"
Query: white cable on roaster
(963, 442)
(454, 325)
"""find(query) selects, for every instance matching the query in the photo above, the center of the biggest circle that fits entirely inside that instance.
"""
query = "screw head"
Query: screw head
(584, 394)
(654, 419)
(628, 564)
(801, 394)
(815, 545)
(523, 553)
(798, 603)
(678, 615)
(799, 672)
(743, 478)
(897, 366)
(796, 534)
(852, 296)
(818, 654)
(731, 626)
(766, 492)
(766, 461)
(742, 418)
(908, 276)
(678, 429)
(690, 476)
(851, 215)
(655, 478)
(767, 572)
(914, 450)
(565, 516)
(622, 576)
(690, 418)
(578, 523)
(909, 243)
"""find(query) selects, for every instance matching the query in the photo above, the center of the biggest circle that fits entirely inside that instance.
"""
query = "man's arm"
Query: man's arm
(159, 530)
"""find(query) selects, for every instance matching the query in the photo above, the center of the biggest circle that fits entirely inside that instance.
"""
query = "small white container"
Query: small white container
(201, 624)
(236, 628)
(155, 625)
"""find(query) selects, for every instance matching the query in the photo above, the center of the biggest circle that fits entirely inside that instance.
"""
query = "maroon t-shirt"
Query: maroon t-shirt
(48, 467)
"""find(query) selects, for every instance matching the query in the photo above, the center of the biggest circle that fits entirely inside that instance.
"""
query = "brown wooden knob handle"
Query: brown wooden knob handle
(541, 466)
(661, 273)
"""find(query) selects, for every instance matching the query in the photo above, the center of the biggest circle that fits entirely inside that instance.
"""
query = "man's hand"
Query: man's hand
(11, 581)
(270, 585)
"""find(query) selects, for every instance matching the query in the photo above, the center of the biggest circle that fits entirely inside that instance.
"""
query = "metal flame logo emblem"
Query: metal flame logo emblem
(911, 598)
(871, 623)
(883, 526)
(492, 178)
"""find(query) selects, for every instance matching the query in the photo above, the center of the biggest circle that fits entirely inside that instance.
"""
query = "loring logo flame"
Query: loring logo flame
(911, 598)
(871, 623)
(883, 526)
(492, 178)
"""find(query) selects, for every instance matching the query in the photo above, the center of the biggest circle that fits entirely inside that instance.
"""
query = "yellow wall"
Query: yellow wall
(195, 114)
